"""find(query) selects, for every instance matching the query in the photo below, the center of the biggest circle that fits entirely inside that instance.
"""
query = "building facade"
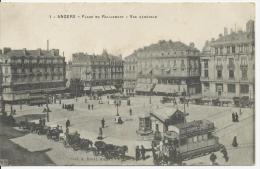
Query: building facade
(130, 74)
(227, 64)
(98, 73)
(29, 76)
(167, 68)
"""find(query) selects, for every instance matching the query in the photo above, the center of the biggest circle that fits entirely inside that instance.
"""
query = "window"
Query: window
(243, 61)
(244, 73)
(228, 49)
(231, 61)
(6, 70)
(244, 88)
(206, 86)
(221, 50)
(194, 139)
(206, 63)
(231, 88)
(240, 48)
(231, 74)
(233, 49)
(206, 73)
(219, 73)
(182, 65)
(219, 61)
(216, 51)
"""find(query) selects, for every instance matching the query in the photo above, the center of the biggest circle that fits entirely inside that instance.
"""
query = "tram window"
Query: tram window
(183, 141)
(204, 137)
(195, 139)
(199, 138)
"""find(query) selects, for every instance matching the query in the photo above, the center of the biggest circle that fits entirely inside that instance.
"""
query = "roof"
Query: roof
(235, 37)
(84, 57)
(165, 114)
(32, 53)
(167, 45)
(199, 124)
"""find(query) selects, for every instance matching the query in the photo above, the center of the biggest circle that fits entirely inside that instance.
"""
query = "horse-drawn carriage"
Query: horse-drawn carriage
(167, 99)
(73, 140)
(110, 151)
(216, 102)
(54, 132)
(39, 129)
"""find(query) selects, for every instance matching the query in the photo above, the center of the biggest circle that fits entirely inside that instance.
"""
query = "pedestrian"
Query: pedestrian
(103, 123)
(234, 143)
(92, 106)
(67, 130)
(63, 106)
(67, 123)
(143, 152)
(225, 154)
(213, 158)
(40, 121)
(236, 117)
(88, 106)
(233, 117)
(130, 112)
(100, 134)
(137, 153)
(43, 122)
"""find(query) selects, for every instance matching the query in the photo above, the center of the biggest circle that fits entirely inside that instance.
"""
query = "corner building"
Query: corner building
(228, 64)
(30, 76)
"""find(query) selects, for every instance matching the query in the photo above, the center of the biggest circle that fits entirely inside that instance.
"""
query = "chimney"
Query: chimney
(48, 45)
(0, 51)
(63, 53)
(225, 31)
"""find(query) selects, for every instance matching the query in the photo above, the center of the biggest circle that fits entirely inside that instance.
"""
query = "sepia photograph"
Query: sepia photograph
(127, 84)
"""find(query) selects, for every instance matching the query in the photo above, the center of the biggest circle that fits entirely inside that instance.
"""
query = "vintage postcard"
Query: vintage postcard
(127, 84)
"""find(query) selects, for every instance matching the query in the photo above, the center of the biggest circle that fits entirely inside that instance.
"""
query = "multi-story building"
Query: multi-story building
(99, 73)
(167, 67)
(30, 76)
(227, 64)
(130, 74)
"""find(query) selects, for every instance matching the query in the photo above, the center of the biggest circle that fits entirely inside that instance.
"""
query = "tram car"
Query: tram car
(185, 141)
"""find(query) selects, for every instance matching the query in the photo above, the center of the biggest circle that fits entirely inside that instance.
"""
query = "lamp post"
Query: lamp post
(117, 104)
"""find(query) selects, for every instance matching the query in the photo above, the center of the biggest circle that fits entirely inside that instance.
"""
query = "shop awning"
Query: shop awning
(142, 87)
(163, 88)
(113, 87)
(107, 88)
(86, 88)
(97, 88)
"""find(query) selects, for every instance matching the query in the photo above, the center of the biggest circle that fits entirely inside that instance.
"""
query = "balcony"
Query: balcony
(243, 66)
(219, 67)
(231, 66)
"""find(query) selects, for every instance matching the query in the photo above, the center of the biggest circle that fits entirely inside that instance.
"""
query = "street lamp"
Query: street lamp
(117, 104)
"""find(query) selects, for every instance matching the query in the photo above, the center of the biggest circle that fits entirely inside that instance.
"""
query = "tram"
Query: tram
(185, 141)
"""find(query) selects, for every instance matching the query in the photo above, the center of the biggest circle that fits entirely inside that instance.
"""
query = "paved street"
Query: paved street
(87, 123)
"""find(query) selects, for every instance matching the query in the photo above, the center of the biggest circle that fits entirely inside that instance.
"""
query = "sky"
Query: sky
(29, 26)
